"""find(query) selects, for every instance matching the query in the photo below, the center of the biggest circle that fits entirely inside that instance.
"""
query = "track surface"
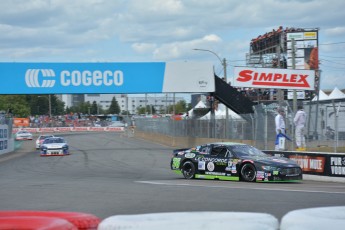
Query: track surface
(109, 174)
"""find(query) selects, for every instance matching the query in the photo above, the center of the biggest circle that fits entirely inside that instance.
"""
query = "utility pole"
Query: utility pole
(294, 103)
(50, 106)
(223, 62)
(226, 108)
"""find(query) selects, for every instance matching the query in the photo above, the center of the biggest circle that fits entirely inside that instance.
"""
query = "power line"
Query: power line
(332, 62)
(334, 43)
(330, 56)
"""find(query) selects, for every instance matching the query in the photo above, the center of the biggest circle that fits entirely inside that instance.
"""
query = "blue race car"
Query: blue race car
(54, 146)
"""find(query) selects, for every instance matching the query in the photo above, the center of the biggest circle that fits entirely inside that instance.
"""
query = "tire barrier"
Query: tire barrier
(83, 221)
(314, 218)
(35, 222)
(191, 221)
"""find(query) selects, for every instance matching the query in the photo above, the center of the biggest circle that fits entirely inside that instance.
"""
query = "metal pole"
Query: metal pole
(226, 108)
(294, 103)
(317, 104)
(50, 105)
(335, 127)
(145, 102)
(266, 129)
(174, 106)
(223, 62)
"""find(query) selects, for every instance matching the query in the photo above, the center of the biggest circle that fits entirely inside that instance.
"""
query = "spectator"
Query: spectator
(279, 124)
(299, 121)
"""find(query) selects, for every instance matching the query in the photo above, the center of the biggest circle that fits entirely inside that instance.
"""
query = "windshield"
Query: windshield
(246, 150)
(49, 141)
(44, 137)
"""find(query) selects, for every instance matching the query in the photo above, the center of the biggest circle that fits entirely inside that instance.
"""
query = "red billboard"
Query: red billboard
(274, 78)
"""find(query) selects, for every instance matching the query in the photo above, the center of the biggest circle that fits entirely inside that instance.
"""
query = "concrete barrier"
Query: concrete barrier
(192, 221)
(314, 218)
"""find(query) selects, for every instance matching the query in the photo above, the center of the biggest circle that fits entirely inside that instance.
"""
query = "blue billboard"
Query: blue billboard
(89, 78)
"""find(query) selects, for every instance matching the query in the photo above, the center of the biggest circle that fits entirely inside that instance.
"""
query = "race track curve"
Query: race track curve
(110, 174)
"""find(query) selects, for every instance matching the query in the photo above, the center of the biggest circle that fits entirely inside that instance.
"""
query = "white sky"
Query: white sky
(164, 30)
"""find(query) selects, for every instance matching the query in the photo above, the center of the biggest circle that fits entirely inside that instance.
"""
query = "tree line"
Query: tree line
(27, 105)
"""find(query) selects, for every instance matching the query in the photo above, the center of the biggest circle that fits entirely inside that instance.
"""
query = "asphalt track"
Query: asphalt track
(110, 174)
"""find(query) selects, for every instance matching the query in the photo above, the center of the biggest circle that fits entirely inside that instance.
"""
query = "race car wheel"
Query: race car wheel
(248, 173)
(188, 170)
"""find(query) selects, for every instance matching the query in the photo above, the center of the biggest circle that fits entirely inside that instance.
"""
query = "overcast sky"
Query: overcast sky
(164, 30)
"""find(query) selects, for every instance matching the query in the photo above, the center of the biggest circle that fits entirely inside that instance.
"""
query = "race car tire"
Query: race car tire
(248, 173)
(80, 220)
(188, 170)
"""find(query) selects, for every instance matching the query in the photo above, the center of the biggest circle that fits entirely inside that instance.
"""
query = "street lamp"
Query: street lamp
(223, 62)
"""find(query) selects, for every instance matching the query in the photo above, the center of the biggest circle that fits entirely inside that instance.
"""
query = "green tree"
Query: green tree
(59, 109)
(16, 104)
(114, 107)
(150, 109)
(39, 104)
(180, 107)
(94, 108)
(140, 110)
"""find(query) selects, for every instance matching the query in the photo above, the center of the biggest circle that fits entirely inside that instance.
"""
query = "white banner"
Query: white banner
(274, 78)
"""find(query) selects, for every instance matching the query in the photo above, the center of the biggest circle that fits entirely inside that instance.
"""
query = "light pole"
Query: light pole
(223, 62)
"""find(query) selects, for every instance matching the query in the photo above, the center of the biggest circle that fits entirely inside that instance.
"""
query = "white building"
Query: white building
(127, 102)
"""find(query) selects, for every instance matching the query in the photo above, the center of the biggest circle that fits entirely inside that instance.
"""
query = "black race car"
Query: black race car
(233, 161)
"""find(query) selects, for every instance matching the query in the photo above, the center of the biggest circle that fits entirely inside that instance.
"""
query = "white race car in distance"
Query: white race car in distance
(23, 135)
(40, 140)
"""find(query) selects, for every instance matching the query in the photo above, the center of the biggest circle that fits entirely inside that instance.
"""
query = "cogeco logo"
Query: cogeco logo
(75, 78)
(31, 78)
(88, 78)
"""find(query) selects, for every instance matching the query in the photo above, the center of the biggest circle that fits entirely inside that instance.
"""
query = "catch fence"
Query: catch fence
(325, 125)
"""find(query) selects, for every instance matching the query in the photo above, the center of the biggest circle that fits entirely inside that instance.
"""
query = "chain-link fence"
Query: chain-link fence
(325, 125)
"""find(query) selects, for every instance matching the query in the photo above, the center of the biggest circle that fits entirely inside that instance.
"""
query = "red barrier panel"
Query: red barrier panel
(97, 129)
(116, 129)
(35, 222)
(63, 129)
(80, 129)
(83, 221)
(70, 129)
(46, 130)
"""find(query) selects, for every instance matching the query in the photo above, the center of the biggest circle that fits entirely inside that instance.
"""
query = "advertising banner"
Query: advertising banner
(310, 163)
(337, 165)
(274, 78)
(21, 122)
(306, 50)
(322, 164)
(89, 78)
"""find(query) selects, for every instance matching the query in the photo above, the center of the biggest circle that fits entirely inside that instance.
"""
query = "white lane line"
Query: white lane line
(237, 187)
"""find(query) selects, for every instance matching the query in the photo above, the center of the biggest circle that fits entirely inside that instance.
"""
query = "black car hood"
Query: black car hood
(272, 161)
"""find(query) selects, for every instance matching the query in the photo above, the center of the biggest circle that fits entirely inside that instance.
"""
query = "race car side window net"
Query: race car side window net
(219, 151)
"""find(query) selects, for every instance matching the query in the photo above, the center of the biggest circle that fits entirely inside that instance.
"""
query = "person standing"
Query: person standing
(280, 125)
(299, 121)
